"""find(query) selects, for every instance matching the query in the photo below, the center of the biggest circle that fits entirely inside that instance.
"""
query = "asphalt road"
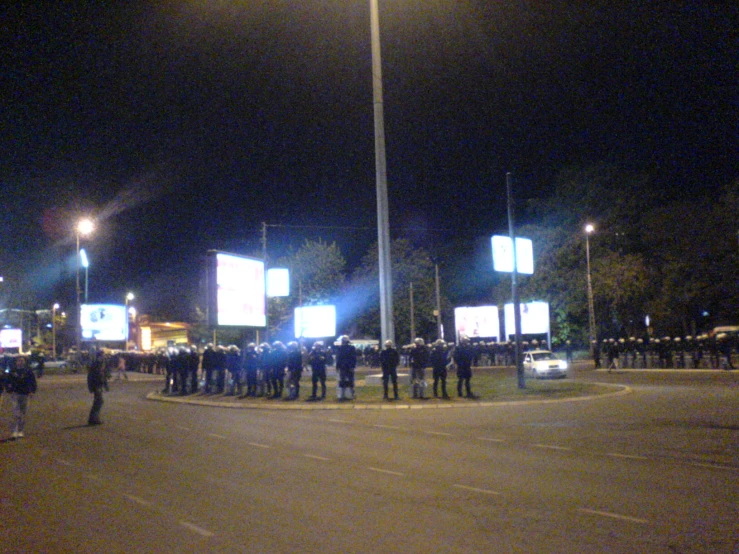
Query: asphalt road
(653, 471)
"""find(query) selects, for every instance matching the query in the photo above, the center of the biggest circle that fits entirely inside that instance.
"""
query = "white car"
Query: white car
(543, 363)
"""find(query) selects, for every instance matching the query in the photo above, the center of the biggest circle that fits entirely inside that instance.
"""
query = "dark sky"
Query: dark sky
(183, 125)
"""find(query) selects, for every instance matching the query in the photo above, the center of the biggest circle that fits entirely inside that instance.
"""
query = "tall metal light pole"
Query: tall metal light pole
(129, 297)
(54, 308)
(438, 301)
(86, 264)
(383, 226)
(591, 308)
(84, 227)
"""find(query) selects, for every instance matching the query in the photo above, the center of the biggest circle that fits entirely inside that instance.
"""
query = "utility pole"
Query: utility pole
(514, 286)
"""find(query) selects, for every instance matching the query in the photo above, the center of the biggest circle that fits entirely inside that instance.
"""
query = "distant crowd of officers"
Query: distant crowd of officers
(667, 352)
(275, 370)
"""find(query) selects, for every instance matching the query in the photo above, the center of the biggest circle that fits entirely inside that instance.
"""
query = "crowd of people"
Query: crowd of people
(275, 370)
(704, 351)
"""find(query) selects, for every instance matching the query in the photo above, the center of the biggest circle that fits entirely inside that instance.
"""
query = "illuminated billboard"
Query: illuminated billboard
(315, 322)
(479, 321)
(503, 254)
(236, 290)
(11, 338)
(103, 322)
(278, 282)
(534, 319)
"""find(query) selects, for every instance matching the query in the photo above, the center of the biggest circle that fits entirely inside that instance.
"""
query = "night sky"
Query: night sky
(182, 126)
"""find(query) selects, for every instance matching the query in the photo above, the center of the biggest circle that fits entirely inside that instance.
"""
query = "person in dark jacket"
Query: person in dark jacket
(20, 382)
(346, 363)
(389, 362)
(294, 369)
(464, 355)
(419, 360)
(97, 382)
(438, 361)
(250, 365)
(317, 361)
(278, 362)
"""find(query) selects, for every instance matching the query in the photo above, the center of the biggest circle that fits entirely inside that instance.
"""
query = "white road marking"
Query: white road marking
(64, 462)
(337, 421)
(551, 446)
(312, 457)
(614, 516)
(377, 469)
(475, 489)
(199, 530)
(258, 445)
(629, 456)
(388, 426)
(438, 433)
(715, 466)
(490, 440)
(216, 436)
(138, 500)
(181, 428)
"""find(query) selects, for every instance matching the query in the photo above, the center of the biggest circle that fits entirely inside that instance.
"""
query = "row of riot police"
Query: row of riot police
(703, 351)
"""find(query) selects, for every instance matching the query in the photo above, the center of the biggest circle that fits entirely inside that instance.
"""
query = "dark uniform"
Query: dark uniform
(464, 355)
(317, 360)
(389, 361)
(346, 363)
(438, 361)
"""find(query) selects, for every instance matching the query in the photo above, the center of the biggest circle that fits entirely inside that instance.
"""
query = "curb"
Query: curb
(301, 406)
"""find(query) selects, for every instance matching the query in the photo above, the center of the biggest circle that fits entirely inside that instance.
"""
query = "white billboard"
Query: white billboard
(534, 319)
(11, 338)
(103, 322)
(315, 322)
(503, 254)
(278, 282)
(479, 321)
(236, 290)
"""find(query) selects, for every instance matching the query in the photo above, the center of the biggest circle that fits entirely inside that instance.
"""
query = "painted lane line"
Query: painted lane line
(312, 457)
(216, 436)
(138, 500)
(377, 469)
(614, 516)
(551, 446)
(181, 428)
(199, 530)
(714, 466)
(257, 445)
(337, 420)
(490, 440)
(475, 489)
(397, 427)
(439, 433)
(627, 456)
(64, 462)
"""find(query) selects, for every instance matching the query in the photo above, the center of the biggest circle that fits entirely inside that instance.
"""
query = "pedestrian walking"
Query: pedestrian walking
(19, 381)
(120, 371)
(97, 382)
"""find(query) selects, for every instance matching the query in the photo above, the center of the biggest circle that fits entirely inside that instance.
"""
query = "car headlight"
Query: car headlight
(562, 364)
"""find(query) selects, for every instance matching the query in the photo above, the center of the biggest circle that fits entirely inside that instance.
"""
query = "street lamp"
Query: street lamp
(591, 309)
(54, 308)
(387, 325)
(86, 264)
(84, 227)
(129, 297)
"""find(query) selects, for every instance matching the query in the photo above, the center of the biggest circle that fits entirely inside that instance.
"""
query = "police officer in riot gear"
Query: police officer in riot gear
(419, 360)
(389, 361)
(346, 363)
(317, 360)
(438, 361)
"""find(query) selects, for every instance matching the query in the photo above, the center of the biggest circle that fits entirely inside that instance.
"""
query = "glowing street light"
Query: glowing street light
(129, 297)
(591, 309)
(84, 227)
